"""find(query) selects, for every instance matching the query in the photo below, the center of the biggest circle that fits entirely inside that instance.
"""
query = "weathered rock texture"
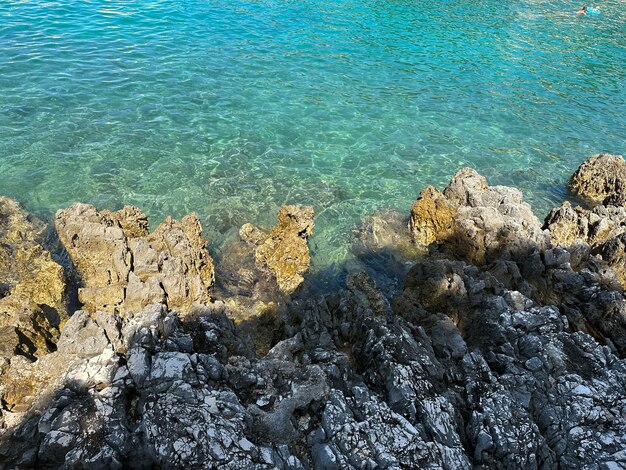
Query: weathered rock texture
(32, 286)
(432, 217)
(283, 252)
(600, 177)
(259, 272)
(475, 221)
(352, 384)
(505, 353)
(123, 266)
(603, 229)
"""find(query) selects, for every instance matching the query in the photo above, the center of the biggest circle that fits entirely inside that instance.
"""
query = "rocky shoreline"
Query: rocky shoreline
(469, 334)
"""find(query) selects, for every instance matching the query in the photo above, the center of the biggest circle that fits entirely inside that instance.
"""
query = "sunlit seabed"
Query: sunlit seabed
(232, 108)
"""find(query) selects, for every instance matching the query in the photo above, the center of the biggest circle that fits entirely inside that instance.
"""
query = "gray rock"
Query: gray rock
(82, 336)
(138, 363)
(504, 352)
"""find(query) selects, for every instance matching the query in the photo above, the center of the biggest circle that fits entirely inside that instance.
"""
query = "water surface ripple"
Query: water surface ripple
(232, 108)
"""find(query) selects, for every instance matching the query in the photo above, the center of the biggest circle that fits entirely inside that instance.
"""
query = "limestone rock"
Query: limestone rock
(185, 267)
(475, 221)
(122, 266)
(599, 177)
(567, 224)
(98, 248)
(602, 228)
(466, 188)
(283, 251)
(351, 383)
(32, 285)
(134, 223)
(503, 352)
(251, 234)
(613, 251)
(432, 217)
(618, 198)
(84, 356)
(365, 289)
(246, 293)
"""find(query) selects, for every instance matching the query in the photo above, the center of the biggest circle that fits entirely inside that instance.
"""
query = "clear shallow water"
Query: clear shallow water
(232, 108)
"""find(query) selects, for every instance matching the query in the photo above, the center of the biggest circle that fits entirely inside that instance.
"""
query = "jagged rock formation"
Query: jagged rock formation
(353, 385)
(432, 217)
(32, 286)
(501, 352)
(283, 252)
(603, 228)
(475, 221)
(124, 267)
(600, 177)
(492, 226)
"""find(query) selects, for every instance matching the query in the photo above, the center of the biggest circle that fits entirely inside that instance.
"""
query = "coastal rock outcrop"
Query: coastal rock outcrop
(595, 226)
(351, 384)
(504, 352)
(283, 252)
(32, 286)
(476, 222)
(495, 230)
(600, 177)
(432, 217)
(123, 266)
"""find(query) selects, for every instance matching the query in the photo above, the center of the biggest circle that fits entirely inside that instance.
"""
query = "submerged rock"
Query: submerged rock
(384, 231)
(600, 177)
(384, 248)
(124, 267)
(259, 272)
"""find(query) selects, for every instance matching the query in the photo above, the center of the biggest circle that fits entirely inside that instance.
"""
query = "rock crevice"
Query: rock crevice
(501, 346)
(123, 266)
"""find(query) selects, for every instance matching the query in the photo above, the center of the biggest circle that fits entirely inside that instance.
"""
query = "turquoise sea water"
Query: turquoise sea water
(232, 108)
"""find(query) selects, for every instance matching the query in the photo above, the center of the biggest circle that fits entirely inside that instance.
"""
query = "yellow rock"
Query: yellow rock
(599, 177)
(285, 252)
(124, 267)
(32, 307)
(432, 217)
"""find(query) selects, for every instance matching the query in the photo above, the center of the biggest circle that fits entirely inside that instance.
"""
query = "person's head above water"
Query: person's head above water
(582, 11)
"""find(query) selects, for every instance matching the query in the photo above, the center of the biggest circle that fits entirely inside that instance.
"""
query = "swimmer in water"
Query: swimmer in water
(585, 10)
